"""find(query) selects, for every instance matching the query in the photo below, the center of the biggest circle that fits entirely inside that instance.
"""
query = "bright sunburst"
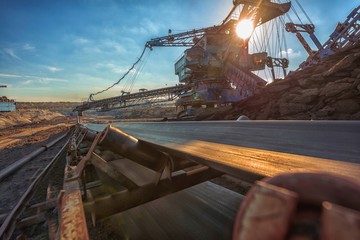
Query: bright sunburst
(245, 28)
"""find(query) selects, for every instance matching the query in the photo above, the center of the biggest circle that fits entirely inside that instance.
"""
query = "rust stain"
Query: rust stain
(73, 222)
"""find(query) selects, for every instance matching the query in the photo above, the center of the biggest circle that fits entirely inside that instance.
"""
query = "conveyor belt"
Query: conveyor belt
(265, 148)
(205, 211)
(147, 186)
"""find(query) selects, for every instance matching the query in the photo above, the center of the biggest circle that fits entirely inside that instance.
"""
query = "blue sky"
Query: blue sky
(65, 50)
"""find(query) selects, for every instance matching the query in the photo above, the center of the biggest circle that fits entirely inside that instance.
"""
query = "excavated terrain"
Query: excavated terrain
(326, 91)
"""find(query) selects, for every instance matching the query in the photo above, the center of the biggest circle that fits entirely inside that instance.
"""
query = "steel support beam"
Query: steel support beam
(103, 166)
(122, 201)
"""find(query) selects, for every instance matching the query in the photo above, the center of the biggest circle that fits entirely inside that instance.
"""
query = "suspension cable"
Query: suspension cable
(91, 97)
(128, 86)
(139, 70)
(302, 9)
(296, 14)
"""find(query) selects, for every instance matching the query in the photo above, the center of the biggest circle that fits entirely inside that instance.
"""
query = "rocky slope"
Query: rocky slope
(330, 90)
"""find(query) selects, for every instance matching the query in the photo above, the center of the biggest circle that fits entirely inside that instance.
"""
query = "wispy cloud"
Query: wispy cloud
(91, 50)
(146, 26)
(10, 52)
(111, 67)
(112, 46)
(96, 45)
(48, 79)
(291, 52)
(27, 82)
(138, 30)
(28, 47)
(35, 89)
(5, 75)
(32, 78)
(53, 69)
(81, 41)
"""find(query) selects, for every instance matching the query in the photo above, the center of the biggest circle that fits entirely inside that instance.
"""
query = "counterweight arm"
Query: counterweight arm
(184, 39)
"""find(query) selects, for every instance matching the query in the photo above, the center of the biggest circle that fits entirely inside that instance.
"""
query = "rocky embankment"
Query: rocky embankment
(330, 90)
(35, 112)
(147, 112)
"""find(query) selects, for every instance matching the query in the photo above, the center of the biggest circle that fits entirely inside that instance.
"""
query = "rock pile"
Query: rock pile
(330, 90)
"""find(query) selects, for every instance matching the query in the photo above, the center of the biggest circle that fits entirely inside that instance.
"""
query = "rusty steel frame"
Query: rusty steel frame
(121, 201)
(72, 218)
(71, 211)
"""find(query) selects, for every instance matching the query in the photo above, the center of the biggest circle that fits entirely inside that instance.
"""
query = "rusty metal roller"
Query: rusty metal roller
(117, 141)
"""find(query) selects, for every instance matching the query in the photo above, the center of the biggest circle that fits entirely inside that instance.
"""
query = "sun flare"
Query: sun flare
(245, 28)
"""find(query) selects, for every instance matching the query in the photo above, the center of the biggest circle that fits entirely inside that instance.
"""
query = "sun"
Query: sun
(245, 28)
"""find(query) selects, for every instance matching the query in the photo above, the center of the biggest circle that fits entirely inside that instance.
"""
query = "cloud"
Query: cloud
(48, 79)
(111, 67)
(81, 41)
(96, 45)
(138, 30)
(146, 26)
(27, 82)
(91, 50)
(291, 52)
(5, 75)
(112, 45)
(53, 69)
(35, 89)
(10, 52)
(28, 47)
(33, 78)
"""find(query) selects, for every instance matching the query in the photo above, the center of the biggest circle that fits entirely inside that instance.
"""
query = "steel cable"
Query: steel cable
(91, 97)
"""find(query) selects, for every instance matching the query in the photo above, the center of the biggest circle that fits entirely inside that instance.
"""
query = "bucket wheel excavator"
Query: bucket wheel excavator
(216, 68)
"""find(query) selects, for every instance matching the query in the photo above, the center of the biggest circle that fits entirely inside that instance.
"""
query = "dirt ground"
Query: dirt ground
(18, 141)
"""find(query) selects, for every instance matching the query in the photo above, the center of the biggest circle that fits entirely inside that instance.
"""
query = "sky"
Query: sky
(65, 50)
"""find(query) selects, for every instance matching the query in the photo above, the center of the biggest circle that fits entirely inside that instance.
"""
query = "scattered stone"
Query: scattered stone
(257, 100)
(325, 112)
(314, 79)
(355, 73)
(343, 64)
(278, 88)
(351, 93)
(291, 108)
(347, 106)
(334, 88)
(307, 96)
(355, 116)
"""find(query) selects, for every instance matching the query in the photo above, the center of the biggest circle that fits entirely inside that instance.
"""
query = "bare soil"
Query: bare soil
(17, 142)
